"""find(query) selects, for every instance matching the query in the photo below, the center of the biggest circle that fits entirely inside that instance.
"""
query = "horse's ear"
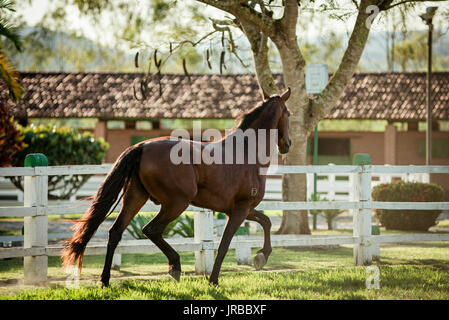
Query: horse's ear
(265, 95)
(286, 95)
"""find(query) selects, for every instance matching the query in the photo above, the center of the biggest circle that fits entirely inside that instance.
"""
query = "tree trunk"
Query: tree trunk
(294, 186)
(314, 221)
(329, 223)
(260, 25)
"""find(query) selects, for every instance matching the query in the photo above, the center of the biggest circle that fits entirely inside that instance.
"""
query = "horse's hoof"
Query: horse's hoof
(213, 283)
(104, 281)
(259, 261)
(176, 274)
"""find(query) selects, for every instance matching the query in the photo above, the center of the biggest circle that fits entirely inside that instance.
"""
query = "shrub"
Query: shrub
(185, 227)
(420, 220)
(329, 215)
(11, 137)
(315, 213)
(181, 226)
(62, 146)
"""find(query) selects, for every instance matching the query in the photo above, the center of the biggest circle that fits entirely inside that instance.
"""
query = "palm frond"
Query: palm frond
(11, 33)
(7, 5)
(11, 78)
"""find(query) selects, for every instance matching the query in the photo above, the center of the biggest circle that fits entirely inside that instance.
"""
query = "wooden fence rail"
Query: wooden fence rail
(36, 210)
(332, 186)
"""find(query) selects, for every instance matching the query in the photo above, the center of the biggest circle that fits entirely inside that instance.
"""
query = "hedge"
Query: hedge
(62, 146)
(419, 220)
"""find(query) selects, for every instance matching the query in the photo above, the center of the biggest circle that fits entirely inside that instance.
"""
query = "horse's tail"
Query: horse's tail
(102, 202)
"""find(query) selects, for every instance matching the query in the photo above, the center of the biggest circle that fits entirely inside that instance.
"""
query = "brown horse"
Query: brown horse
(146, 171)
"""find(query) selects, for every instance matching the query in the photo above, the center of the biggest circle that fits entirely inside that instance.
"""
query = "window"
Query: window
(331, 146)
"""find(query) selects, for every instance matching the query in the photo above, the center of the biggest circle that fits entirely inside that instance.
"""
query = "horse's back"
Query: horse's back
(214, 186)
(163, 179)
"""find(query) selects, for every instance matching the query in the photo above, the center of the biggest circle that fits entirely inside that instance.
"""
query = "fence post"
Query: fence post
(362, 217)
(375, 244)
(116, 261)
(204, 234)
(36, 227)
(243, 254)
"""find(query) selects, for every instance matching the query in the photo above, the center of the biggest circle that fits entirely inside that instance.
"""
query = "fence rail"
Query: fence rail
(334, 186)
(36, 211)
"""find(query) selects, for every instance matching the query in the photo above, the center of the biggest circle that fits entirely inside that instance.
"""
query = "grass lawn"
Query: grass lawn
(407, 271)
(443, 223)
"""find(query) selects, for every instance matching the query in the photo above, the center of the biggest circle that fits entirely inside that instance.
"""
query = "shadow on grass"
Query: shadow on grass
(290, 257)
(146, 288)
(415, 262)
(396, 282)
(336, 251)
(417, 244)
(10, 264)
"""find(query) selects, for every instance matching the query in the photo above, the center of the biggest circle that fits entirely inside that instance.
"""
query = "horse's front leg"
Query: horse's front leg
(262, 255)
(236, 217)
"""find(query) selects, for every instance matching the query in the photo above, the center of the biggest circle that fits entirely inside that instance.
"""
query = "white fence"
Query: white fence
(36, 210)
(338, 187)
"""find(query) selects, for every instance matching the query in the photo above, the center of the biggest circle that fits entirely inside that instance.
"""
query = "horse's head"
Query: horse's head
(284, 141)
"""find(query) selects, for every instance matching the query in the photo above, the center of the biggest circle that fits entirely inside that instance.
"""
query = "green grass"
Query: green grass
(407, 271)
(443, 223)
(397, 282)
(9, 232)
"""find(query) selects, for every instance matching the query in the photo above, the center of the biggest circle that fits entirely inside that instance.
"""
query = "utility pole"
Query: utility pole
(427, 18)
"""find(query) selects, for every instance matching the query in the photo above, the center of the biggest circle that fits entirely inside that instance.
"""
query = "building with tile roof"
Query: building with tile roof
(395, 97)
(386, 96)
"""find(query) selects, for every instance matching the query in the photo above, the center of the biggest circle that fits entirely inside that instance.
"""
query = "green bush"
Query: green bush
(420, 220)
(11, 137)
(62, 146)
(315, 213)
(185, 227)
(329, 215)
(181, 225)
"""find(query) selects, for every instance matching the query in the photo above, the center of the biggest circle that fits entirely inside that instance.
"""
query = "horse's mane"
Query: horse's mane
(245, 119)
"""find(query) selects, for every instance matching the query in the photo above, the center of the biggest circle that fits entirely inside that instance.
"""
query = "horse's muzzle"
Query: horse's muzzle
(285, 147)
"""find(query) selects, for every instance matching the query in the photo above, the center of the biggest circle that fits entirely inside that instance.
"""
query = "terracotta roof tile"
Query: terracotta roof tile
(392, 96)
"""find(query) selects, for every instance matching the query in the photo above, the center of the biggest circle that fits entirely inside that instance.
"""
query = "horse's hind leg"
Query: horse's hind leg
(155, 228)
(262, 255)
(133, 199)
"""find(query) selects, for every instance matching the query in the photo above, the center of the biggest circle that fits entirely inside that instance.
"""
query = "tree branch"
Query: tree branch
(243, 12)
(404, 2)
(180, 44)
(259, 47)
(355, 3)
(335, 88)
(218, 25)
(289, 19)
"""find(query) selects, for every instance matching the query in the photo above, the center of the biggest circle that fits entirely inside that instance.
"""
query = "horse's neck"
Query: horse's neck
(268, 122)
(266, 142)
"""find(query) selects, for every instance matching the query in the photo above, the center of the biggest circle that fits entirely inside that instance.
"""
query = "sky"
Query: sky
(315, 26)
(33, 14)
